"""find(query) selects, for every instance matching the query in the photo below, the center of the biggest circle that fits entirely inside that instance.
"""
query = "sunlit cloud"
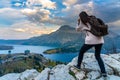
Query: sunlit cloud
(69, 2)
(24, 30)
(20, 30)
(37, 15)
(17, 4)
(42, 3)
(32, 28)
(116, 23)
(28, 11)
(114, 26)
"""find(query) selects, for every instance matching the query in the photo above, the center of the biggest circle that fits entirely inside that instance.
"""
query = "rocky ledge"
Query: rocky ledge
(90, 70)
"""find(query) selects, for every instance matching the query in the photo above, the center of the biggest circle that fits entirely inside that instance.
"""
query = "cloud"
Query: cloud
(69, 2)
(115, 23)
(83, 1)
(36, 15)
(15, 23)
(39, 11)
(71, 13)
(108, 14)
(42, 3)
(17, 4)
(27, 18)
(11, 12)
(67, 16)
(108, 11)
(20, 30)
(77, 8)
(114, 26)
(29, 27)
(10, 16)
(5, 3)
(24, 30)
(28, 11)
(43, 15)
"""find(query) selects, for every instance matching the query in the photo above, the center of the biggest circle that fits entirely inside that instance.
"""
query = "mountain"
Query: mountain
(64, 36)
(2, 41)
(69, 40)
(89, 70)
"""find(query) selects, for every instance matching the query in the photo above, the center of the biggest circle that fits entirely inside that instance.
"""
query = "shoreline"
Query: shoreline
(4, 47)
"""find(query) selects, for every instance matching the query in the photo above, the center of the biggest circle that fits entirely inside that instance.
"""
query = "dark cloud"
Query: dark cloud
(109, 14)
(107, 10)
(82, 1)
(69, 19)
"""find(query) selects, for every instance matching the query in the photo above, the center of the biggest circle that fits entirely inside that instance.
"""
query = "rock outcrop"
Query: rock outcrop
(90, 70)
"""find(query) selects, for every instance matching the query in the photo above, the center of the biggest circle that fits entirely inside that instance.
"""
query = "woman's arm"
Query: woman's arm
(79, 27)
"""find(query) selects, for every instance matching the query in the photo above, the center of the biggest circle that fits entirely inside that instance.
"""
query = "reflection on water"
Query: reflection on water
(64, 57)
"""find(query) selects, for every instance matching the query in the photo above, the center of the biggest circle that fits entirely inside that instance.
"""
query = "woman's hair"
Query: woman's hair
(84, 17)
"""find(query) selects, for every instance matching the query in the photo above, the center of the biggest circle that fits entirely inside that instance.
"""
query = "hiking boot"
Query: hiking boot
(104, 74)
(77, 67)
(105, 77)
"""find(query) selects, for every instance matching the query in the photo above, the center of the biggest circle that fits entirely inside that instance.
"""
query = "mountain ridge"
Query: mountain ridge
(58, 38)
(67, 36)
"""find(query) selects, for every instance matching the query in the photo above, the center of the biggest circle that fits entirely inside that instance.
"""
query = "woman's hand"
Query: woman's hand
(78, 29)
(78, 21)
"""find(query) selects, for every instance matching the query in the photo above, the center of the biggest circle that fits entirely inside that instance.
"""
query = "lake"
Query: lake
(63, 57)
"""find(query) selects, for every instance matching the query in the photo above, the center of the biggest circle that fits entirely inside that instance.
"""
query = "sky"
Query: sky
(23, 19)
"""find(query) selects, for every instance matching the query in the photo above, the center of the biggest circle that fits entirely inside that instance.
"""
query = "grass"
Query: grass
(73, 74)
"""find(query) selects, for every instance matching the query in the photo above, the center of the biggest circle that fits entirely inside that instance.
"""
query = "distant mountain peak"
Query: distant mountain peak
(66, 27)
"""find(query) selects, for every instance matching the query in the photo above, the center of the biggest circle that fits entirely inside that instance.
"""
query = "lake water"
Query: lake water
(63, 57)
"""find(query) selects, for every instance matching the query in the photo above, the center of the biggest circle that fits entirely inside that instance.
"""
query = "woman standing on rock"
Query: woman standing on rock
(90, 41)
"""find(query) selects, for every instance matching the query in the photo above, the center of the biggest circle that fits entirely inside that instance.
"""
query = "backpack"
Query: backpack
(98, 28)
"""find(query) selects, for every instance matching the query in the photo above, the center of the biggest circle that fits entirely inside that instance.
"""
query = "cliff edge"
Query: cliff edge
(90, 70)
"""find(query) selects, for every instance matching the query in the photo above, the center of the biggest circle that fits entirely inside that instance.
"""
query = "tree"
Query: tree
(27, 52)
(0, 60)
